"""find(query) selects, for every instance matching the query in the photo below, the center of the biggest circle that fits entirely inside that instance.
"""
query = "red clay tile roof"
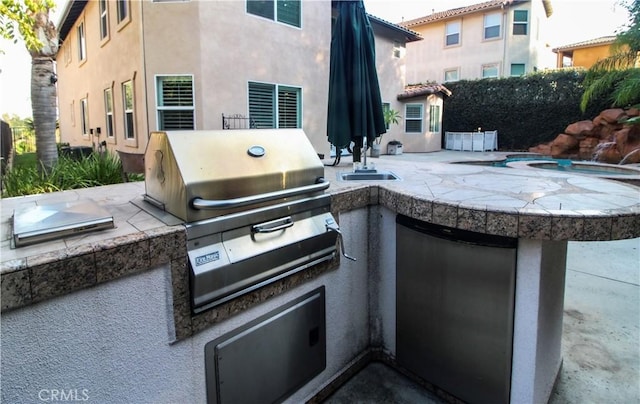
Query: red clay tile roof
(443, 15)
(603, 40)
(417, 90)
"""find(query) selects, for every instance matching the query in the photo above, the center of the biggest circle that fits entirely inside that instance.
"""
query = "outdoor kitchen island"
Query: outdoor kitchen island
(107, 316)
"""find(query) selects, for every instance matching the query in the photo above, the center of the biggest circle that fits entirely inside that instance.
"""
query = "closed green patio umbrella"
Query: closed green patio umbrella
(355, 106)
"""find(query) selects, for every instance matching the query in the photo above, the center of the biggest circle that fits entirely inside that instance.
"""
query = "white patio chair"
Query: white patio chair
(457, 141)
(467, 141)
(448, 140)
(491, 140)
(477, 142)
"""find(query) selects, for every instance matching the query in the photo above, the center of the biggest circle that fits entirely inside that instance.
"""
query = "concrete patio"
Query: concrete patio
(601, 333)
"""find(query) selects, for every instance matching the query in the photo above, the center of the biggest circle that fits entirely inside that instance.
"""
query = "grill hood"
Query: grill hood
(197, 175)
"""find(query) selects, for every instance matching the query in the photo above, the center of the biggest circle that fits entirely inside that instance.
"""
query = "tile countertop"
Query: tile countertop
(528, 204)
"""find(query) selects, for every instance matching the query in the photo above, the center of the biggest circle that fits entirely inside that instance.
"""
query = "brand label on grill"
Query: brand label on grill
(207, 258)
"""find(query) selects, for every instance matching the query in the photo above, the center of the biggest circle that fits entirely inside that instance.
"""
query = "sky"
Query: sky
(572, 20)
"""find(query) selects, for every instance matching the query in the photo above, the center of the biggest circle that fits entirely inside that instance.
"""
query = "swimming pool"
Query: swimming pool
(533, 161)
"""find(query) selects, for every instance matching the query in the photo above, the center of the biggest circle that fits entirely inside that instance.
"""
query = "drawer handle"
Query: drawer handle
(274, 225)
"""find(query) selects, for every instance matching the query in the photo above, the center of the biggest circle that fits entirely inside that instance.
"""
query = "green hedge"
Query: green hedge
(526, 111)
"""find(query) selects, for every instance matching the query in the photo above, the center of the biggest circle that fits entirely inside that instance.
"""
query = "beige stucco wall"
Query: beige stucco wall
(224, 48)
(428, 59)
(108, 64)
(426, 141)
(587, 56)
(218, 43)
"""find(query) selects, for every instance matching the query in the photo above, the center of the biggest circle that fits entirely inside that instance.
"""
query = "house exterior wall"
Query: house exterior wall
(108, 64)
(391, 77)
(428, 60)
(585, 57)
(217, 43)
(427, 140)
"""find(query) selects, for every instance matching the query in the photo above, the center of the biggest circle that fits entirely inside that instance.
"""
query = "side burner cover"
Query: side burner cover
(37, 224)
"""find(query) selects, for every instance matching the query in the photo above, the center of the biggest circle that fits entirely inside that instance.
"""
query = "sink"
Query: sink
(368, 176)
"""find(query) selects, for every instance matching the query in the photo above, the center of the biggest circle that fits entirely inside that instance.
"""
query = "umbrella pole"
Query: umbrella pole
(365, 168)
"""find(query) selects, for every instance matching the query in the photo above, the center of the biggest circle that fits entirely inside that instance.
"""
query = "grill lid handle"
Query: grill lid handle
(212, 204)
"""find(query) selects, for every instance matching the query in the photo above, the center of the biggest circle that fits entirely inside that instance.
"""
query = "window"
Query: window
(385, 108)
(84, 115)
(517, 69)
(275, 106)
(108, 111)
(413, 118)
(123, 10)
(175, 102)
(82, 43)
(520, 22)
(434, 118)
(127, 103)
(490, 71)
(104, 20)
(452, 33)
(451, 75)
(398, 50)
(284, 11)
(492, 26)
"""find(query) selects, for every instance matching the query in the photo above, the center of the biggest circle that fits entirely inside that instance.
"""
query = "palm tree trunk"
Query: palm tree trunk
(43, 89)
(43, 104)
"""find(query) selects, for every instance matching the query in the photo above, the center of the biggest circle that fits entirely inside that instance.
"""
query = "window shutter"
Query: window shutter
(261, 8)
(177, 92)
(289, 12)
(413, 118)
(288, 107)
(175, 103)
(262, 104)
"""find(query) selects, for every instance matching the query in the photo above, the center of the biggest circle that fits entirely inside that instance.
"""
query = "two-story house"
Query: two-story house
(497, 38)
(126, 68)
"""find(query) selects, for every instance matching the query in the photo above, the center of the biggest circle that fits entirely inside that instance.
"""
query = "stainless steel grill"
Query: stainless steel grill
(252, 202)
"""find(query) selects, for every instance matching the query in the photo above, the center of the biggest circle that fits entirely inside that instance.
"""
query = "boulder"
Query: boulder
(632, 158)
(631, 112)
(587, 147)
(607, 153)
(544, 149)
(579, 128)
(612, 115)
(563, 145)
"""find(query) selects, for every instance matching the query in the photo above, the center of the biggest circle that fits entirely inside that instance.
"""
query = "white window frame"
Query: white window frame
(452, 28)
(448, 71)
(275, 14)
(82, 42)
(434, 118)
(84, 116)
(128, 111)
(123, 12)
(276, 88)
(103, 8)
(399, 50)
(524, 23)
(108, 113)
(489, 66)
(485, 25)
(408, 118)
(159, 108)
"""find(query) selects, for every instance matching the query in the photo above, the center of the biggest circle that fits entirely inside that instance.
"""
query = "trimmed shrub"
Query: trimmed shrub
(526, 111)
